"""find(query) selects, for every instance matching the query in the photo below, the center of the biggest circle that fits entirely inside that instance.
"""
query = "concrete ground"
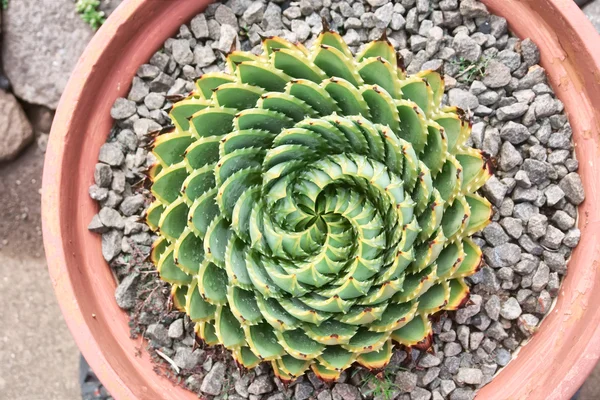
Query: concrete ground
(39, 358)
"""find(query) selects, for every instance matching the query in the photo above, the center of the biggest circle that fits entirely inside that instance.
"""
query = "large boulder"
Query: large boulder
(15, 130)
(42, 41)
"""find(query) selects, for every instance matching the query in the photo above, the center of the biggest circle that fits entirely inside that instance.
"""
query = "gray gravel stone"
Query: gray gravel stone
(492, 307)
(111, 154)
(344, 391)
(496, 75)
(509, 157)
(503, 256)
(553, 238)
(572, 186)
(572, 238)
(495, 190)
(530, 52)
(213, 381)
(186, 358)
(537, 225)
(540, 278)
(199, 26)
(503, 357)
(452, 349)
(495, 235)
(514, 132)
(125, 294)
(406, 381)
(470, 376)
(512, 112)
(420, 394)
(177, 329)
(511, 309)
(182, 53)
(159, 334)
(466, 47)
(303, 391)
(103, 175)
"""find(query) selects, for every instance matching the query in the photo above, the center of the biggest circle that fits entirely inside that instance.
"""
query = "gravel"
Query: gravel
(518, 122)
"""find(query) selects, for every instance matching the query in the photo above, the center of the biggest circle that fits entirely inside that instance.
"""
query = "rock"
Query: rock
(452, 349)
(182, 53)
(512, 226)
(527, 324)
(324, 395)
(162, 83)
(111, 154)
(15, 130)
(530, 52)
(125, 294)
(554, 194)
(261, 385)
(301, 29)
(496, 331)
(553, 238)
(213, 381)
(512, 112)
(511, 309)
(383, 16)
(514, 132)
(186, 358)
(462, 394)
(111, 218)
(303, 391)
(272, 17)
(420, 394)
(537, 171)
(159, 334)
(572, 238)
(39, 55)
(540, 278)
(503, 256)
(96, 225)
(103, 175)
(463, 99)
(177, 329)
(496, 75)
(522, 179)
(562, 220)
(470, 376)
(446, 387)
(466, 47)
(535, 75)
(225, 16)
(228, 37)
(344, 391)
(572, 186)
(503, 357)
(431, 374)
(537, 225)
(494, 234)
(406, 381)
(492, 307)
(495, 190)
(199, 27)
(123, 108)
(132, 204)
(473, 9)
(509, 157)
(241, 384)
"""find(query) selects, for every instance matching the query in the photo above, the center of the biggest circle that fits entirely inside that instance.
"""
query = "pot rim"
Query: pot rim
(133, 33)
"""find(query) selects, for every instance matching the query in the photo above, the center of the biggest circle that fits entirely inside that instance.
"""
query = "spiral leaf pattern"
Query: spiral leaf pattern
(314, 209)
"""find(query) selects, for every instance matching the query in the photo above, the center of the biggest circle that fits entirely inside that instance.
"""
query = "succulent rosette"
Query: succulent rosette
(314, 208)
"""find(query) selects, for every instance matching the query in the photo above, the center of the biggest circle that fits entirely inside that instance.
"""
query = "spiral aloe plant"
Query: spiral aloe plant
(315, 208)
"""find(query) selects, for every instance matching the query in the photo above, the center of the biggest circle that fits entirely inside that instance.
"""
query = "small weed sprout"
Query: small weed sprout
(90, 13)
(469, 71)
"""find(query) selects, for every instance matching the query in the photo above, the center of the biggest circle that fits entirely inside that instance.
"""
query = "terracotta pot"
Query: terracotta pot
(552, 366)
